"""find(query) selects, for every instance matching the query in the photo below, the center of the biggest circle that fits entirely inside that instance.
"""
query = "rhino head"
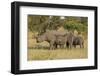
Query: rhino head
(40, 38)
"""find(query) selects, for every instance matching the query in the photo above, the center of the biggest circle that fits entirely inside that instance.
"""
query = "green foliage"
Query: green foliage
(38, 23)
(72, 25)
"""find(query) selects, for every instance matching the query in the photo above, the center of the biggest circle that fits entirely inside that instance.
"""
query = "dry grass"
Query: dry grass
(40, 51)
(35, 54)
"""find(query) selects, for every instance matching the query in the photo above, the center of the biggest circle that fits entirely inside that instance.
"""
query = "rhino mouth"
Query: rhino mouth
(38, 41)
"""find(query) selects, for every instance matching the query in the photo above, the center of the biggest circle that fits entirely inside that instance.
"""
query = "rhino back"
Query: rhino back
(50, 37)
(54, 32)
(78, 40)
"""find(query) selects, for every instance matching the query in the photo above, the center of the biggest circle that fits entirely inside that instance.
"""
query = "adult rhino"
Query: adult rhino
(62, 38)
(73, 40)
(78, 40)
(50, 37)
(69, 39)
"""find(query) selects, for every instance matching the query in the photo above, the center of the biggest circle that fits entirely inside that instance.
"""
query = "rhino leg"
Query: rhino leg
(74, 46)
(70, 45)
(55, 45)
(81, 45)
(61, 46)
(52, 45)
(67, 44)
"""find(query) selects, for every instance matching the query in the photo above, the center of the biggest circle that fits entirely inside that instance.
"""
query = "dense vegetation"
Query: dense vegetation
(39, 23)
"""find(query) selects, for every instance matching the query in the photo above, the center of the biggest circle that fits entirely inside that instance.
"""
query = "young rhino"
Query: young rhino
(51, 38)
(78, 40)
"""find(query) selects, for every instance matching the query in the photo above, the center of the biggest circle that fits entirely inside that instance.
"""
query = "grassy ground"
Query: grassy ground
(40, 51)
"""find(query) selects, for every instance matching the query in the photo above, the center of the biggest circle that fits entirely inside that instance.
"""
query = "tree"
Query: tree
(40, 23)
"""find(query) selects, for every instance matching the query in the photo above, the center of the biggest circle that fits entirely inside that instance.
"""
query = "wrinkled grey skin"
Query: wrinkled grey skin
(69, 41)
(78, 41)
(60, 40)
(52, 38)
(49, 37)
(73, 40)
(55, 39)
(63, 39)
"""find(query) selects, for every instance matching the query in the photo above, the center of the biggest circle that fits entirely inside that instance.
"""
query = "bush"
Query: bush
(71, 25)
